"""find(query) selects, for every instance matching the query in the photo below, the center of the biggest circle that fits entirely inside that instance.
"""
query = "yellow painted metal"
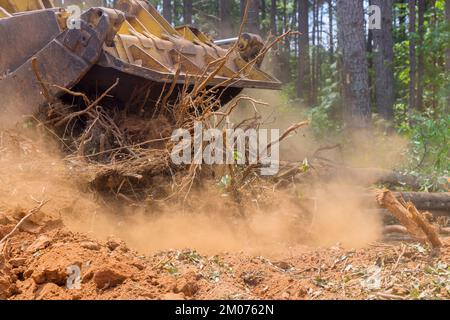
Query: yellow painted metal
(147, 40)
(4, 13)
(13, 6)
(250, 71)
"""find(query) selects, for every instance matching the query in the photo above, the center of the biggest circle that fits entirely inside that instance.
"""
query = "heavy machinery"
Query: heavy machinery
(46, 50)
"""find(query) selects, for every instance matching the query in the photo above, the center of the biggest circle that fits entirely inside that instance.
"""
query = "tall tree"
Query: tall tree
(350, 16)
(263, 10)
(273, 17)
(330, 30)
(252, 23)
(315, 23)
(447, 14)
(187, 11)
(294, 24)
(412, 54)
(304, 75)
(167, 10)
(447, 51)
(226, 25)
(421, 56)
(383, 60)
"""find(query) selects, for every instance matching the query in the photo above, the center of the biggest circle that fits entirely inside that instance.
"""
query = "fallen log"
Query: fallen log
(402, 230)
(424, 201)
(427, 200)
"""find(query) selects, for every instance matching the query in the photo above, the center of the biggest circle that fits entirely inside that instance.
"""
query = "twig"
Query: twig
(89, 107)
(29, 214)
(45, 91)
(400, 256)
(389, 296)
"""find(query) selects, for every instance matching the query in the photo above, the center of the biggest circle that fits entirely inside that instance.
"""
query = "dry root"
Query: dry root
(414, 221)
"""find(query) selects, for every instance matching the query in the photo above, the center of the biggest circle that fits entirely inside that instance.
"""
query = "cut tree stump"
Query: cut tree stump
(414, 221)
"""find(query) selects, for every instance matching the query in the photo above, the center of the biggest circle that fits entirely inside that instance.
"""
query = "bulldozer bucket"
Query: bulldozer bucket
(36, 66)
(133, 43)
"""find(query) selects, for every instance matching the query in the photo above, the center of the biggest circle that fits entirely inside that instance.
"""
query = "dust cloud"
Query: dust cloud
(33, 169)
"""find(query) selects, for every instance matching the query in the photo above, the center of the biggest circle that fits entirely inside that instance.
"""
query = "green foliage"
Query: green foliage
(428, 153)
(436, 82)
(325, 117)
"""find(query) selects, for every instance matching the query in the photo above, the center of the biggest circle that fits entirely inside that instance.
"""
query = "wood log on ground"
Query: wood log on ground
(330, 171)
(425, 201)
(402, 230)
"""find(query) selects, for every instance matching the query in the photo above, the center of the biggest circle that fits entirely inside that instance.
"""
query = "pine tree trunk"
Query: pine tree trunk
(187, 12)
(226, 26)
(383, 61)
(263, 10)
(412, 54)
(357, 113)
(447, 14)
(314, 53)
(285, 52)
(318, 51)
(273, 17)
(167, 10)
(252, 23)
(369, 47)
(294, 24)
(304, 76)
(421, 56)
(330, 30)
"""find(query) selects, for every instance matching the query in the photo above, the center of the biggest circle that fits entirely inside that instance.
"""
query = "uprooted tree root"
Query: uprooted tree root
(414, 221)
(124, 150)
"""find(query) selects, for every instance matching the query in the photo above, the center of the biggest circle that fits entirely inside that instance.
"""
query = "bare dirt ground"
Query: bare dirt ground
(34, 265)
(127, 255)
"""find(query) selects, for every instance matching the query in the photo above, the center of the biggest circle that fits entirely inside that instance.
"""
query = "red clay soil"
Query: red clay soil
(34, 265)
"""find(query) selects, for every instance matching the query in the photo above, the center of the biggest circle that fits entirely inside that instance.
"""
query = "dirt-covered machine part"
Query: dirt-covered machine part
(41, 55)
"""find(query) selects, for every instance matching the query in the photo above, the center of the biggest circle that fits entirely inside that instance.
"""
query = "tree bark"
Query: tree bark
(252, 23)
(357, 113)
(314, 53)
(447, 60)
(370, 59)
(263, 10)
(330, 30)
(304, 80)
(383, 60)
(421, 55)
(187, 12)
(167, 10)
(226, 26)
(412, 55)
(319, 52)
(273, 17)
